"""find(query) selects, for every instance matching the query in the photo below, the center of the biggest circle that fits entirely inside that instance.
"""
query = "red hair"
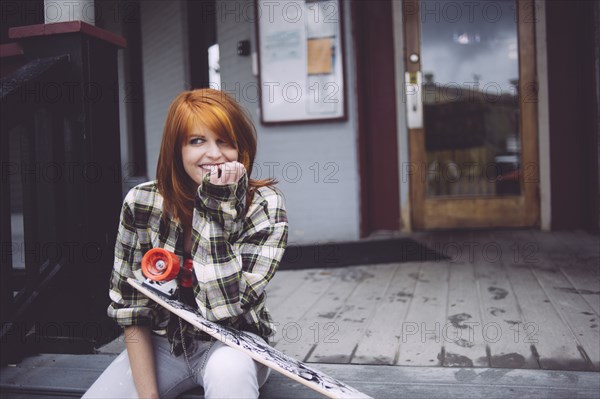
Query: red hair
(219, 113)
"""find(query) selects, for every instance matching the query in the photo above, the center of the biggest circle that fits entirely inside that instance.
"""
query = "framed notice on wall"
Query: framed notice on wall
(300, 60)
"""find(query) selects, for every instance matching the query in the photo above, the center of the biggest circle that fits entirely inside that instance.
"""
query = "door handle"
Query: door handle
(414, 99)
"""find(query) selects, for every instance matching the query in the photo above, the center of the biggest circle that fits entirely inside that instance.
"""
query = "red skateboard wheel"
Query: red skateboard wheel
(158, 264)
(186, 278)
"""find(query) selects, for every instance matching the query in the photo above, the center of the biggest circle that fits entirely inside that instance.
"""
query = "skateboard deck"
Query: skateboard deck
(257, 350)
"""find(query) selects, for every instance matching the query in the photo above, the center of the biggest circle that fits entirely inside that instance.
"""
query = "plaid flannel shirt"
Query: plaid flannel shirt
(235, 254)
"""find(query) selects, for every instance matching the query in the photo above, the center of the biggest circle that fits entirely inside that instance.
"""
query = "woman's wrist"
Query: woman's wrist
(221, 202)
(223, 192)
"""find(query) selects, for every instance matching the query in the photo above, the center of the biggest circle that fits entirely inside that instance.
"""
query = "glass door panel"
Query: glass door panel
(470, 66)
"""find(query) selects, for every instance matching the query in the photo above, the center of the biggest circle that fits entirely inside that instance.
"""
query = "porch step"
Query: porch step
(68, 376)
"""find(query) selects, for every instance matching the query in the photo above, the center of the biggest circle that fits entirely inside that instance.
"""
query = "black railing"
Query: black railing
(60, 159)
(23, 289)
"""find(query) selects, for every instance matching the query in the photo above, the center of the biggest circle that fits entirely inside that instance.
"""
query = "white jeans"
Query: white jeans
(222, 371)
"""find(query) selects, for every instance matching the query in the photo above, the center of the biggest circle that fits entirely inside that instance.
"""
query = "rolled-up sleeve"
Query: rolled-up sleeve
(128, 306)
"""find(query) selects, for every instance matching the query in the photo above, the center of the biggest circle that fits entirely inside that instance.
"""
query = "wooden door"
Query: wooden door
(471, 96)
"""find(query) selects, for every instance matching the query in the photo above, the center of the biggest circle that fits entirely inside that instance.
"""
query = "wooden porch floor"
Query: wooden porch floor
(515, 300)
(504, 299)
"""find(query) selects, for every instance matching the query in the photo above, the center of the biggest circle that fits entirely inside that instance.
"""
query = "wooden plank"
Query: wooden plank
(434, 240)
(584, 276)
(462, 348)
(114, 347)
(555, 343)
(352, 319)
(65, 373)
(547, 242)
(299, 337)
(439, 382)
(528, 246)
(421, 341)
(71, 374)
(589, 244)
(543, 327)
(499, 307)
(579, 248)
(574, 310)
(579, 264)
(575, 243)
(284, 284)
(379, 343)
(290, 311)
(587, 284)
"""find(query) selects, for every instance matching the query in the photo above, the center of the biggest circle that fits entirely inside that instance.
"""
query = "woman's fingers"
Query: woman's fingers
(227, 173)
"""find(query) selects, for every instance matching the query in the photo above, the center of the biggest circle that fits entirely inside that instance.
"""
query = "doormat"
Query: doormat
(357, 253)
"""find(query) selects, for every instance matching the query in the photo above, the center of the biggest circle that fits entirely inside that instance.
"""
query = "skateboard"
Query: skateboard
(162, 270)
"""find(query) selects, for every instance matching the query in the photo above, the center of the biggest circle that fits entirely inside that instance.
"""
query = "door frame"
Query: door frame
(377, 124)
(493, 211)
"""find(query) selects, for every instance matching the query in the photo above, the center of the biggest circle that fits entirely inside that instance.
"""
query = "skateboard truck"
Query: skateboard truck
(162, 270)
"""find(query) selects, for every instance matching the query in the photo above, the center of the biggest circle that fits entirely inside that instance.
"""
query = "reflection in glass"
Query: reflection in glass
(214, 69)
(470, 63)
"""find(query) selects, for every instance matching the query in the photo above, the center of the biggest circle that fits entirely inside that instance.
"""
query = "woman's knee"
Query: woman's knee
(230, 373)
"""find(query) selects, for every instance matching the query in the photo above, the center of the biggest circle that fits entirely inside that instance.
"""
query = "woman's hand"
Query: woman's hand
(227, 173)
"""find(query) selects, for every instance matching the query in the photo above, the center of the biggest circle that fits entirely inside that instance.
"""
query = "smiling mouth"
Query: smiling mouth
(209, 166)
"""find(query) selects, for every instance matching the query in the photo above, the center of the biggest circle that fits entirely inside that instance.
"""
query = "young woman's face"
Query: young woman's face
(203, 150)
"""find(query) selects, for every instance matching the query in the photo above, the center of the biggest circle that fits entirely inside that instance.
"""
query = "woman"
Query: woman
(203, 206)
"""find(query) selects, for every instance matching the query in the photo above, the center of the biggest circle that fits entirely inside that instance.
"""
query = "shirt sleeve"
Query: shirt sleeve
(236, 254)
(128, 306)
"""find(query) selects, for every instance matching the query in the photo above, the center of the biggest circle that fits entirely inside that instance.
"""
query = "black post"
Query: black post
(6, 294)
(78, 193)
